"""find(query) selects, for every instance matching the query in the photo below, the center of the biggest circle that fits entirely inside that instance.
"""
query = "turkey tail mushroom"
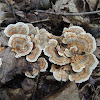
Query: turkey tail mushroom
(60, 72)
(84, 75)
(18, 28)
(84, 42)
(74, 29)
(51, 51)
(42, 62)
(20, 44)
(33, 74)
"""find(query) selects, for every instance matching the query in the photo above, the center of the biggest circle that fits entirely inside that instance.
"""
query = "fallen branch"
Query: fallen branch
(69, 14)
(40, 21)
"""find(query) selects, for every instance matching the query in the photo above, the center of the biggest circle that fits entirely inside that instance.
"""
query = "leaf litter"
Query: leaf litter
(13, 69)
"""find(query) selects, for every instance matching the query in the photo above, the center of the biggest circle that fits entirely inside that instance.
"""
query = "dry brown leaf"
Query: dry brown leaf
(70, 6)
(4, 7)
(96, 74)
(97, 52)
(60, 5)
(28, 84)
(98, 42)
(8, 63)
(17, 94)
(68, 92)
(3, 39)
(92, 4)
(98, 6)
(14, 94)
(18, 0)
(11, 2)
(4, 12)
(2, 16)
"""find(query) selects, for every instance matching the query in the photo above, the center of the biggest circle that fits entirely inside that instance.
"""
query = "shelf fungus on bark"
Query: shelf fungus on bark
(32, 30)
(74, 29)
(51, 51)
(90, 62)
(42, 66)
(81, 61)
(33, 74)
(0, 62)
(20, 44)
(43, 37)
(71, 53)
(18, 28)
(84, 42)
(80, 46)
(35, 53)
(60, 73)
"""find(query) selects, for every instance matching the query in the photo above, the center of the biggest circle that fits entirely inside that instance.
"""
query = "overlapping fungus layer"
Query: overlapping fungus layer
(71, 53)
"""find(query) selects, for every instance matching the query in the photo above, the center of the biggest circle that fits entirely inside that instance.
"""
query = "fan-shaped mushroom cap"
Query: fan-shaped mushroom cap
(74, 29)
(42, 62)
(43, 37)
(78, 62)
(0, 62)
(34, 73)
(18, 28)
(20, 44)
(84, 42)
(51, 51)
(64, 67)
(90, 63)
(33, 30)
(60, 74)
(35, 53)
(81, 76)
(81, 61)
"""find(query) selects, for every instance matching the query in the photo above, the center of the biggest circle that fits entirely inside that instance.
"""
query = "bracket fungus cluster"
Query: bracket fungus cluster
(71, 53)
(51, 51)
(60, 73)
(42, 66)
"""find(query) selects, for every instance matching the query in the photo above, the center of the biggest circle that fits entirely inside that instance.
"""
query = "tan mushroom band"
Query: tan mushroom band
(71, 54)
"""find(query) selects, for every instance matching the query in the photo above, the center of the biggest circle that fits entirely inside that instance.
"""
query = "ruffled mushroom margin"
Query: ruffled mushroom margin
(71, 53)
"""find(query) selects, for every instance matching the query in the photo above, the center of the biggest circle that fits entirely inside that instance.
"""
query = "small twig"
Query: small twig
(33, 96)
(69, 14)
(12, 9)
(40, 21)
